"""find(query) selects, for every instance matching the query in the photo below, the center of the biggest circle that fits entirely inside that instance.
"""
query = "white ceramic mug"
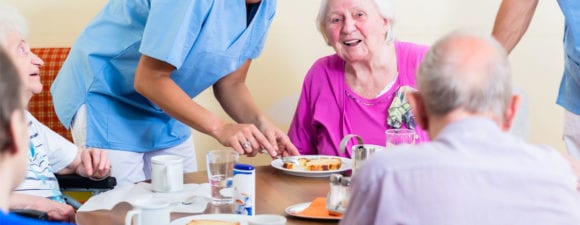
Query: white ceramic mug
(149, 212)
(267, 219)
(167, 173)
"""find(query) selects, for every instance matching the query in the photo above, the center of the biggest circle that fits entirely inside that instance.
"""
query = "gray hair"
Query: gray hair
(11, 21)
(475, 77)
(385, 9)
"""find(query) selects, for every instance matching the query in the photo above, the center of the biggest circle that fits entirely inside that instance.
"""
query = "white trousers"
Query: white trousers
(572, 133)
(131, 167)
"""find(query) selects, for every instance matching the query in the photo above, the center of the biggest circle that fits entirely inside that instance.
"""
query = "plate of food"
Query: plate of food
(212, 219)
(298, 209)
(312, 165)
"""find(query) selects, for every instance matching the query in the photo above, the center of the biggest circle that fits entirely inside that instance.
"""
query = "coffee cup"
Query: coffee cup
(149, 212)
(167, 173)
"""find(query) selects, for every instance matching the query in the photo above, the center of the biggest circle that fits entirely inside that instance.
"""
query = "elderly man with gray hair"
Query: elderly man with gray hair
(472, 172)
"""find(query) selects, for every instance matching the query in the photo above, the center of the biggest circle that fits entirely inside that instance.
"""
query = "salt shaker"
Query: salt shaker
(335, 195)
(346, 190)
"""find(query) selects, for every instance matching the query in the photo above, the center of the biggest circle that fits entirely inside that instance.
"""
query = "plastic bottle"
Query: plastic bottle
(244, 189)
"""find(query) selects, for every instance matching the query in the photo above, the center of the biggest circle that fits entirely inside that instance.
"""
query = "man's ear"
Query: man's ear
(418, 108)
(511, 111)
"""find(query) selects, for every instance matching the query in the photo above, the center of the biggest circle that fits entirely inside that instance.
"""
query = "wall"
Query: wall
(294, 43)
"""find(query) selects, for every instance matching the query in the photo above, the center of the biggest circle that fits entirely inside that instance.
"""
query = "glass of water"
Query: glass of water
(220, 172)
(400, 137)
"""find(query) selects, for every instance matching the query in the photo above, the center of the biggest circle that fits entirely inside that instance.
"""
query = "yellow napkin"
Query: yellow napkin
(317, 208)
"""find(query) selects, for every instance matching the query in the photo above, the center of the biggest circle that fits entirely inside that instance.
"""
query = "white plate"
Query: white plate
(345, 165)
(294, 210)
(224, 217)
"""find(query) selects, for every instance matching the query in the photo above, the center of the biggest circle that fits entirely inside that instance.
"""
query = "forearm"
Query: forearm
(156, 85)
(55, 210)
(239, 104)
(20, 201)
(236, 99)
(512, 21)
(24, 201)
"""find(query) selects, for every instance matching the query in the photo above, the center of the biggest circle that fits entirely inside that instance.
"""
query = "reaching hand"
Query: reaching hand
(276, 137)
(249, 140)
(244, 138)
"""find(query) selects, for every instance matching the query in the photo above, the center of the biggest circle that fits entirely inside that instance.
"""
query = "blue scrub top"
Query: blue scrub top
(569, 93)
(203, 39)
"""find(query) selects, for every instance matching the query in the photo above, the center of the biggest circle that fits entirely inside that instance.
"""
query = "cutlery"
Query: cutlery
(288, 159)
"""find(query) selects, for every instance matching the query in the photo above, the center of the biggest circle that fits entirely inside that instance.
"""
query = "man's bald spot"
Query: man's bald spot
(471, 56)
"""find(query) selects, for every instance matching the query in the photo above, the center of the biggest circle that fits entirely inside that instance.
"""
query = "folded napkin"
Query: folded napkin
(142, 191)
(317, 208)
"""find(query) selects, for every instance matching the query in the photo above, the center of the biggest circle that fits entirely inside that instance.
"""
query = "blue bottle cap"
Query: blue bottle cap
(244, 167)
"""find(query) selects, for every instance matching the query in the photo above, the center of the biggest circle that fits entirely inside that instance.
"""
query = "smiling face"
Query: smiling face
(27, 63)
(355, 28)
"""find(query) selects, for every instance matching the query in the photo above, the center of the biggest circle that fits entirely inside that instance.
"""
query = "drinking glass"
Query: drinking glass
(399, 137)
(220, 173)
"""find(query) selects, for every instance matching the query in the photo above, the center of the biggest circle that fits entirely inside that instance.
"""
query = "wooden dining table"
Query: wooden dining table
(275, 191)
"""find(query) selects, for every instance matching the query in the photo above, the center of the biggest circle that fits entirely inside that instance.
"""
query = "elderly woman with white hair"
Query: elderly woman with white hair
(13, 139)
(49, 152)
(360, 89)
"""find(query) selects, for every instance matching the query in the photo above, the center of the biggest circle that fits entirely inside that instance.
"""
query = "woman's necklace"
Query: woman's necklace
(381, 92)
(357, 100)
(365, 102)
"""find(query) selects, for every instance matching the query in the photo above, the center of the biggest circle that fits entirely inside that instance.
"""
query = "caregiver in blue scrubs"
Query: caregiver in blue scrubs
(128, 82)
